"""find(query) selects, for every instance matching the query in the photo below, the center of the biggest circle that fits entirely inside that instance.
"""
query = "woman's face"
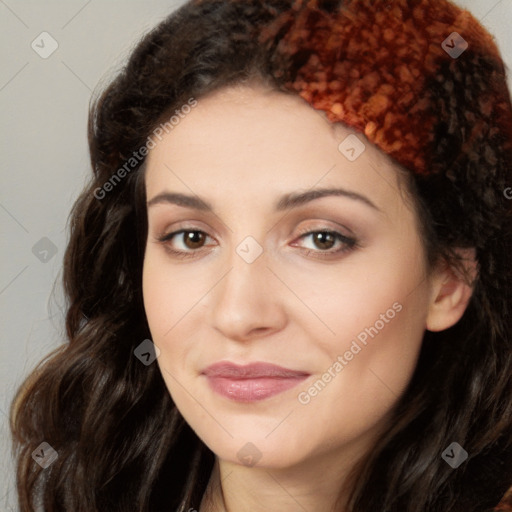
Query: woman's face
(341, 314)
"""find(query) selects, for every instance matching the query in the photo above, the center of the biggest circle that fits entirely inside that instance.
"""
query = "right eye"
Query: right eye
(190, 239)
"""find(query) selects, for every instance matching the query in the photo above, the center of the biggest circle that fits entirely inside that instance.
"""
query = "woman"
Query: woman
(333, 332)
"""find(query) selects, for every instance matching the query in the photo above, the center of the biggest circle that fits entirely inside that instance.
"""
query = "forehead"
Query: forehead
(253, 140)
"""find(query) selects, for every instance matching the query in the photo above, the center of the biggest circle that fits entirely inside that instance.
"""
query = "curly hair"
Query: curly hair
(122, 444)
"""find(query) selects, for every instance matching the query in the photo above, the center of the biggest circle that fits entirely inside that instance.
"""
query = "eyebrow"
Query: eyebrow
(285, 202)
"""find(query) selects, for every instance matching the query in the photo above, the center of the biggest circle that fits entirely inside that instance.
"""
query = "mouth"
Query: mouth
(252, 382)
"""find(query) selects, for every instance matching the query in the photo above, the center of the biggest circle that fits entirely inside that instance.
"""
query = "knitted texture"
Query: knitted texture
(392, 71)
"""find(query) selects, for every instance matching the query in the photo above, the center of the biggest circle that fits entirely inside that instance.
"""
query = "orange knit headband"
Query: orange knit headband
(420, 78)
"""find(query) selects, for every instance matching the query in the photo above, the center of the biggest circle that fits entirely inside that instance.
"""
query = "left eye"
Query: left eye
(324, 240)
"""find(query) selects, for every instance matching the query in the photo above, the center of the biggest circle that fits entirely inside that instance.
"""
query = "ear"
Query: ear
(450, 292)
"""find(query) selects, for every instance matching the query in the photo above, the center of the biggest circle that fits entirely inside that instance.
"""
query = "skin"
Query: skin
(240, 149)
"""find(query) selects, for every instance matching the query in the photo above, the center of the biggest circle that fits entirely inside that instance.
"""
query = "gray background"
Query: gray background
(45, 162)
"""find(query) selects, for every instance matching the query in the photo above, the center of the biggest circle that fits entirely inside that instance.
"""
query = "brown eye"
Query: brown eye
(193, 239)
(324, 240)
(190, 240)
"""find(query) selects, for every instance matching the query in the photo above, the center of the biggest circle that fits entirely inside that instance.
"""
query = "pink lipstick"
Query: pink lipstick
(252, 382)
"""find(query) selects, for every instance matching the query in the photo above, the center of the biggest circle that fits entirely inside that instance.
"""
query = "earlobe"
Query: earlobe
(451, 292)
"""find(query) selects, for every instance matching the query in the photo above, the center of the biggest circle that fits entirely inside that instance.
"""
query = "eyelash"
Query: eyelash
(350, 243)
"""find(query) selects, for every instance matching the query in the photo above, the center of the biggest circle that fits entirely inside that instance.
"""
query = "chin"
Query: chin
(253, 449)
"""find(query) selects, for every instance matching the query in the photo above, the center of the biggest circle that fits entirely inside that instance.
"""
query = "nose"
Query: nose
(248, 302)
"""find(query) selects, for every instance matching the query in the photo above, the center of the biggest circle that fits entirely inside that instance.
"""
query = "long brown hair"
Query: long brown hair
(122, 445)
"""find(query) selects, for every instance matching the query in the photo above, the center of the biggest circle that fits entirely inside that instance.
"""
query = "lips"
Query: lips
(255, 381)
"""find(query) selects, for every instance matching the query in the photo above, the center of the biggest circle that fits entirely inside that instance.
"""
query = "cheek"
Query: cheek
(366, 377)
(365, 291)
(163, 302)
(156, 299)
(169, 293)
(162, 305)
(376, 313)
(382, 354)
(172, 300)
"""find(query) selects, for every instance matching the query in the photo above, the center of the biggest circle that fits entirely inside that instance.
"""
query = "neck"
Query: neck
(316, 485)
